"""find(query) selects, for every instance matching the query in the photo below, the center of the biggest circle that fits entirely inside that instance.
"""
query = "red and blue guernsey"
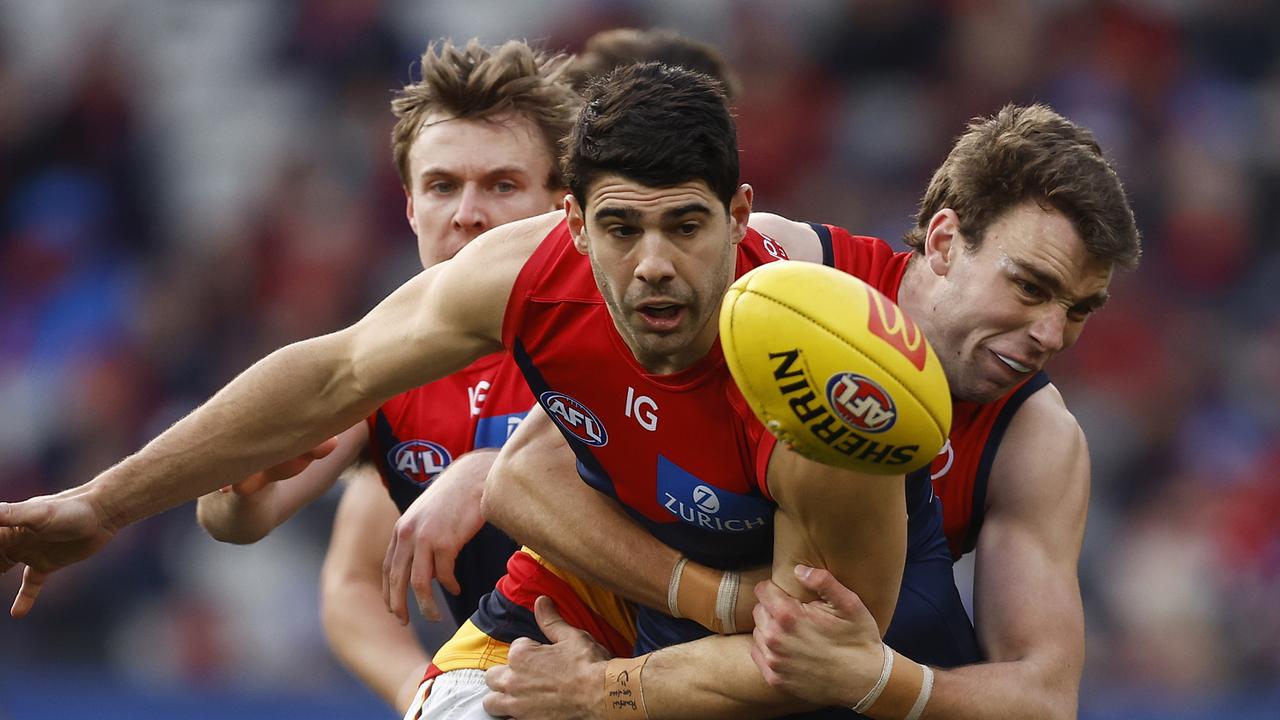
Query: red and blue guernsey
(687, 460)
(682, 453)
(960, 471)
(414, 436)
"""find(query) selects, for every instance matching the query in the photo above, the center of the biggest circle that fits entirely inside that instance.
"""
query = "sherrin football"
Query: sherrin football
(834, 368)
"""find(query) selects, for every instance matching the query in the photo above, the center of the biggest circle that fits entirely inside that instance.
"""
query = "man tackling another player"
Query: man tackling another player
(663, 287)
(1015, 243)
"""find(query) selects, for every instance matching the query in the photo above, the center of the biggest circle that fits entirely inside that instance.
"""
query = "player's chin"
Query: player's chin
(982, 390)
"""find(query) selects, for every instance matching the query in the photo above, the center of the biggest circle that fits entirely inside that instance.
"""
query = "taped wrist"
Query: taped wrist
(707, 596)
(623, 695)
(902, 691)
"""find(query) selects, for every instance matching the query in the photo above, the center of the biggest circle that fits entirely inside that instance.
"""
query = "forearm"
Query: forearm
(585, 534)
(282, 406)
(711, 678)
(239, 519)
(385, 655)
(1004, 691)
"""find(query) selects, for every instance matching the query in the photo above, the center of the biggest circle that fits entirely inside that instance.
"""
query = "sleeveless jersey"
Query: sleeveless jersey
(414, 436)
(587, 379)
(959, 473)
(682, 453)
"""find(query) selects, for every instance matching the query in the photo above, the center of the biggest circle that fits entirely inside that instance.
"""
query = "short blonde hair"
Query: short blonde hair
(476, 82)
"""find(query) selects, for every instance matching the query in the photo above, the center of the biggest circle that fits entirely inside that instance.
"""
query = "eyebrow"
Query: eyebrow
(632, 215)
(1092, 302)
(435, 171)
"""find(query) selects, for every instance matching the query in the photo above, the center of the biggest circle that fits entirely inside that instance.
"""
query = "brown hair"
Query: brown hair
(1032, 153)
(609, 49)
(476, 83)
(658, 125)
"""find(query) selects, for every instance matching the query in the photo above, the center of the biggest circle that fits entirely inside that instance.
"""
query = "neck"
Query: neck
(913, 293)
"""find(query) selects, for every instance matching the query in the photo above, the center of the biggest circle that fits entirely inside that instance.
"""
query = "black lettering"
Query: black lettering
(903, 455)
(800, 406)
(783, 370)
(801, 384)
(875, 452)
(850, 444)
(827, 430)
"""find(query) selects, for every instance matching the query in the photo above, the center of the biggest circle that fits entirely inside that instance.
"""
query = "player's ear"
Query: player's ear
(739, 213)
(575, 220)
(942, 240)
(408, 210)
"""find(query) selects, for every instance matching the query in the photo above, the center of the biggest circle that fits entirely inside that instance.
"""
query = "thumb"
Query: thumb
(552, 625)
(32, 581)
(822, 583)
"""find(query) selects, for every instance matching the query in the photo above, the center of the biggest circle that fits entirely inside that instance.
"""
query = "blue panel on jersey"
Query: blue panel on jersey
(492, 432)
(697, 503)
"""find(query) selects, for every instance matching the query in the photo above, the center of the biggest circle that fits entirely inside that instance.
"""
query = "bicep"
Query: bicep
(445, 317)
(851, 524)
(1027, 602)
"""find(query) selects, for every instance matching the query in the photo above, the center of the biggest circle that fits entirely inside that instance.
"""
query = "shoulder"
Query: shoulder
(490, 263)
(513, 242)
(1043, 456)
(797, 238)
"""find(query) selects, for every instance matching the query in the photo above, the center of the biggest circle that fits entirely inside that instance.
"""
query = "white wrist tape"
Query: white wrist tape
(727, 602)
(874, 693)
(673, 587)
(926, 689)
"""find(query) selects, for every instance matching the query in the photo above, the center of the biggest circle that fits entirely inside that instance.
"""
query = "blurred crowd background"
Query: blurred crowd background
(185, 186)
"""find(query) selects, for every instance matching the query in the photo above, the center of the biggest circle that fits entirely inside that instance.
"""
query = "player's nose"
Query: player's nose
(653, 262)
(470, 213)
(1049, 328)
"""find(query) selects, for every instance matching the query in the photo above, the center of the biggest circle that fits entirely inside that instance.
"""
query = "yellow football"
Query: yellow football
(834, 368)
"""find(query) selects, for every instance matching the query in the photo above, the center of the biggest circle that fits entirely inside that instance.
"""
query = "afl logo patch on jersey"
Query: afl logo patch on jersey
(419, 461)
(574, 418)
(860, 403)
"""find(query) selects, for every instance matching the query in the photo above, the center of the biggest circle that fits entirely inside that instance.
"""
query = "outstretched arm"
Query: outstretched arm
(285, 404)
(247, 511)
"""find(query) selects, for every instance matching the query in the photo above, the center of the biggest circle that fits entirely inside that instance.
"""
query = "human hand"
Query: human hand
(827, 651)
(562, 680)
(429, 535)
(48, 533)
(744, 610)
(284, 470)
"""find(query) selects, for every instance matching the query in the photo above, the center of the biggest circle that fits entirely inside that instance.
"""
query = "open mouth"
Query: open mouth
(1014, 364)
(661, 312)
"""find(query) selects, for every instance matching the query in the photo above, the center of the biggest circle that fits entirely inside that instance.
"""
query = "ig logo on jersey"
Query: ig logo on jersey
(418, 461)
(574, 418)
(860, 403)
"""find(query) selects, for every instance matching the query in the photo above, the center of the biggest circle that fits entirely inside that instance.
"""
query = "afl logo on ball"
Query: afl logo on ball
(860, 403)
(418, 461)
(574, 418)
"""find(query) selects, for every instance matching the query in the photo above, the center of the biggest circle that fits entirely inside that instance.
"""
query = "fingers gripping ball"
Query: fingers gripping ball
(834, 368)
